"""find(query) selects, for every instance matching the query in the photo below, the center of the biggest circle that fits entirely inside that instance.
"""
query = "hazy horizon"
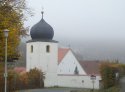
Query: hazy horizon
(94, 28)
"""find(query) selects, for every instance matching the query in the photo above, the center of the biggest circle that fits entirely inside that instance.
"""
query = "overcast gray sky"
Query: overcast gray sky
(95, 26)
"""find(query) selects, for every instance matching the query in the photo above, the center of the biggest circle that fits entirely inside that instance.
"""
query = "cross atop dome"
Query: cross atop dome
(42, 12)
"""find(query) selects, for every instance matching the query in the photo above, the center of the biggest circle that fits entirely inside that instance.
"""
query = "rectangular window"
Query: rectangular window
(47, 48)
(31, 49)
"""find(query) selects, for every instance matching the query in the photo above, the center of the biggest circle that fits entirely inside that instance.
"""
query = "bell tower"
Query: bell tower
(42, 52)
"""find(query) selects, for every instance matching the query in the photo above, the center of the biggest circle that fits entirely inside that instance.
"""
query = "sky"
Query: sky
(94, 28)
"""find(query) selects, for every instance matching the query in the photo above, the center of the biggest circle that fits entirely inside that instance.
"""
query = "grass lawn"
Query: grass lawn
(112, 89)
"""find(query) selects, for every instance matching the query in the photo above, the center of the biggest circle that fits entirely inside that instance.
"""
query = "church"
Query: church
(60, 65)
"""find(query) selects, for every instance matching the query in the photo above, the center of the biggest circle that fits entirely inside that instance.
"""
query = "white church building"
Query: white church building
(60, 65)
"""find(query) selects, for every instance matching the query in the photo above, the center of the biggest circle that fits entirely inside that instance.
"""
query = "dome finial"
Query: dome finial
(42, 30)
(42, 12)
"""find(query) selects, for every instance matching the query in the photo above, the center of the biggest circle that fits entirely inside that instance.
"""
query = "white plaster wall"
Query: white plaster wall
(68, 65)
(47, 62)
(66, 77)
(78, 81)
(40, 59)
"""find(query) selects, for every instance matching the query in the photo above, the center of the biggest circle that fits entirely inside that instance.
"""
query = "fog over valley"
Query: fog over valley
(94, 29)
(91, 49)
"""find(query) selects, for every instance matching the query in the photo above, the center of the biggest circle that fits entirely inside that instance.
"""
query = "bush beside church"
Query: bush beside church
(21, 80)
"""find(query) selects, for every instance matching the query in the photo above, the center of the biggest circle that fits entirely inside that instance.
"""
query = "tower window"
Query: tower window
(47, 48)
(31, 48)
(82, 81)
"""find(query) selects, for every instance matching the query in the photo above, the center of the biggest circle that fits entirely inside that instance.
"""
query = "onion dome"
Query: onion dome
(42, 30)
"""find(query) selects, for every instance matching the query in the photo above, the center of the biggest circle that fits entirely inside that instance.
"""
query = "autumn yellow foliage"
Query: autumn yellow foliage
(11, 19)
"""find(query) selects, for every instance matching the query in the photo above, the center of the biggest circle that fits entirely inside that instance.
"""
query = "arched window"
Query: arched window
(31, 49)
(47, 48)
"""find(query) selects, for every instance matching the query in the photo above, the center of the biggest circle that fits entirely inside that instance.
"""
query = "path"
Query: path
(55, 90)
(48, 90)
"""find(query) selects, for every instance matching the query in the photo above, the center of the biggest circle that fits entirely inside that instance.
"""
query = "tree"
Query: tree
(12, 18)
(36, 78)
(107, 74)
(1, 77)
(76, 71)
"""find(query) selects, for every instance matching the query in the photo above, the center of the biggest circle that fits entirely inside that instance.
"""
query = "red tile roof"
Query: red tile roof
(19, 69)
(90, 67)
(61, 53)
